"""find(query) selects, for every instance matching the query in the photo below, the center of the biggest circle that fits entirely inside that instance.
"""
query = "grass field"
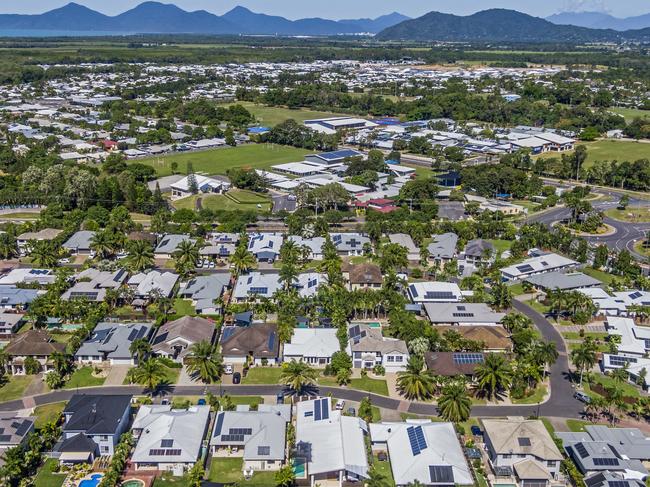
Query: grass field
(631, 113)
(641, 248)
(218, 161)
(610, 150)
(184, 307)
(263, 375)
(229, 470)
(270, 116)
(45, 477)
(236, 199)
(14, 387)
(48, 413)
(602, 276)
(83, 377)
(630, 214)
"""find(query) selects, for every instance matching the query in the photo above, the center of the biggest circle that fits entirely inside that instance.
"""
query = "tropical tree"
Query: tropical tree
(150, 373)
(297, 376)
(501, 296)
(186, 256)
(584, 356)
(419, 346)
(140, 255)
(100, 243)
(376, 478)
(242, 260)
(288, 275)
(44, 253)
(285, 477)
(204, 361)
(140, 348)
(195, 475)
(8, 247)
(414, 382)
(454, 403)
(61, 363)
(545, 353)
(493, 376)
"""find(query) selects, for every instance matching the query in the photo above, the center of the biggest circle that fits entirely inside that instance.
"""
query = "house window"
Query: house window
(105, 449)
(399, 358)
(550, 463)
(391, 358)
(104, 438)
(357, 354)
(507, 456)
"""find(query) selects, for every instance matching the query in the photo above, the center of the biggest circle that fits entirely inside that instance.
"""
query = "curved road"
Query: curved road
(560, 404)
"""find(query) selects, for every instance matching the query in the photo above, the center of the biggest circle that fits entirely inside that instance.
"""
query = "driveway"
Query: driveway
(116, 375)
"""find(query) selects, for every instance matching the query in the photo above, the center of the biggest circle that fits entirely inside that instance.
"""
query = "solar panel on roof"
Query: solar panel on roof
(635, 295)
(419, 436)
(263, 450)
(173, 452)
(467, 358)
(525, 268)
(441, 474)
(23, 428)
(317, 415)
(132, 335)
(141, 332)
(523, 441)
(439, 295)
(219, 425)
(5, 438)
(414, 291)
(325, 412)
(271, 340)
(605, 462)
(155, 452)
(166, 443)
(415, 449)
(582, 451)
(618, 483)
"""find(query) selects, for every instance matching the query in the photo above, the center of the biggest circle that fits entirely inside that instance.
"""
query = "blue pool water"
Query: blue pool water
(93, 481)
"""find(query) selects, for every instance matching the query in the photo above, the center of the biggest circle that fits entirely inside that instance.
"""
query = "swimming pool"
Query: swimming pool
(299, 467)
(372, 324)
(133, 483)
(93, 481)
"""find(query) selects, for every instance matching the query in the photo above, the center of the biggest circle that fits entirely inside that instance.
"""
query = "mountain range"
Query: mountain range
(600, 20)
(155, 17)
(500, 25)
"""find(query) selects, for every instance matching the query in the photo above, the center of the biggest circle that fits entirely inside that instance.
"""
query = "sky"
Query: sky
(337, 9)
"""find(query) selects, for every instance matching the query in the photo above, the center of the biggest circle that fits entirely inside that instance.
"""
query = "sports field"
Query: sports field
(270, 116)
(218, 161)
(611, 150)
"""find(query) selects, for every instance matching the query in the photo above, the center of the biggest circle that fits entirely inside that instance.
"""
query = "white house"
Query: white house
(369, 347)
(312, 345)
(537, 265)
(204, 184)
(434, 292)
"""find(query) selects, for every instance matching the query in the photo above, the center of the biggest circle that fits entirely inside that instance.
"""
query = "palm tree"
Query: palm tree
(493, 375)
(285, 477)
(414, 383)
(101, 244)
(8, 247)
(186, 256)
(242, 260)
(140, 348)
(150, 373)
(545, 353)
(297, 376)
(376, 478)
(44, 254)
(288, 275)
(501, 296)
(454, 403)
(61, 362)
(204, 361)
(140, 255)
(584, 356)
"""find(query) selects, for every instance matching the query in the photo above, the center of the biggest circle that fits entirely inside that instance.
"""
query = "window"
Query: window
(357, 354)
(104, 449)
(391, 358)
(399, 358)
(550, 463)
(103, 438)
(507, 456)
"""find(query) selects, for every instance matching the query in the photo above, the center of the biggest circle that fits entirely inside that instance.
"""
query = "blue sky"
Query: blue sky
(337, 9)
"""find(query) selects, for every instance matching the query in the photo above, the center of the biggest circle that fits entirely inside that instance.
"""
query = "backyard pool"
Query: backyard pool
(93, 481)
(372, 324)
(299, 467)
(133, 483)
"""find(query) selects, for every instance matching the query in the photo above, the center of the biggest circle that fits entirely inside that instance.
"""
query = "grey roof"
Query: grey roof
(80, 240)
(13, 296)
(451, 210)
(611, 479)
(631, 442)
(366, 339)
(170, 242)
(95, 414)
(257, 284)
(590, 456)
(113, 340)
(405, 241)
(261, 433)
(153, 280)
(205, 287)
(78, 443)
(475, 313)
(563, 281)
(14, 429)
(478, 247)
(184, 331)
(443, 246)
(345, 242)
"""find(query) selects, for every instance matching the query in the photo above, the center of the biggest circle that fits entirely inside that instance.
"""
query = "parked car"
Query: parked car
(228, 369)
(236, 378)
(340, 404)
(582, 397)
(201, 402)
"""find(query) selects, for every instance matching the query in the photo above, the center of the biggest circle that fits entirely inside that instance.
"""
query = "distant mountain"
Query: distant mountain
(600, 20)
(155, 17)
(494, 25)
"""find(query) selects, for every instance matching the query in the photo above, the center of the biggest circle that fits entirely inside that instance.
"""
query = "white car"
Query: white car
(229, 369)
(65, 260)
(340, 404)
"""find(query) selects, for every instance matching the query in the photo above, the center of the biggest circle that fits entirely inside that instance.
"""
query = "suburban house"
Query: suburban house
(422, 451)
(256, 285)
(169, 439)
(148, 285)
(314, 346)
(308, 283)
(369, 347)
(265, 246)
(15, 298)
(537, 265)
(349, 243)
(450, 364)
(22, 275)
(493, 338)
(443, 248)
(204, 184)
(110, 342)
(80, 242)
(10, 322)
(413, 251)
(634, 339)
(329, 159)
(15, 430)
(92, 284)
(331, 444)
(92, 426)
(175, 338)
(524, 448)
(314, 244)
(258, 341)
(478, 252)
(462, 314)
(620, 303)
(434, 292)
(257, 436)
(564, 281)
(36, 344)
(364, 276)
(169, 244)
(204, 290)
(24, 240)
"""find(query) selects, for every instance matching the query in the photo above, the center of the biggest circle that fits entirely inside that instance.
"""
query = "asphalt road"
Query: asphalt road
(560, 404)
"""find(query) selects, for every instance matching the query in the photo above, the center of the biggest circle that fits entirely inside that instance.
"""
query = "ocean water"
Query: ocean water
(59, 33)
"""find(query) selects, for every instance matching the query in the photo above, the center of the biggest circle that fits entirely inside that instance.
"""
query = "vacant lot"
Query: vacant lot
(631, 113)
(630, 214)
(611, 150)
(236, 199)
(270, 116)
(218, 161)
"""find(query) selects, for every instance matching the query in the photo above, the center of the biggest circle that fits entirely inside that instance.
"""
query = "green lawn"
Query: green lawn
(263, 375)
(48, 413)
(576, 425)
(534, 398)
(184, 307)
(229, 470)
(20, 216)
(517, 289)
(610, 150)
(218, 161)
(14, 387)
(375, 386)
(171, 375)
(537, 306)
(627, 388)
(83, 377)
(171, 481)
(531, 206)
(269, 116)
(235, 199)
(384, 469)
(641, 247)
(45, 477)
(574, 335)
(501, 245)
(250, 400)
(630, 214)
(602, 276)
(630, 113)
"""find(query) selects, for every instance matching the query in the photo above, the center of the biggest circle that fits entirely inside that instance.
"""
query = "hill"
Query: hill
(600, 20)
(494, 25)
